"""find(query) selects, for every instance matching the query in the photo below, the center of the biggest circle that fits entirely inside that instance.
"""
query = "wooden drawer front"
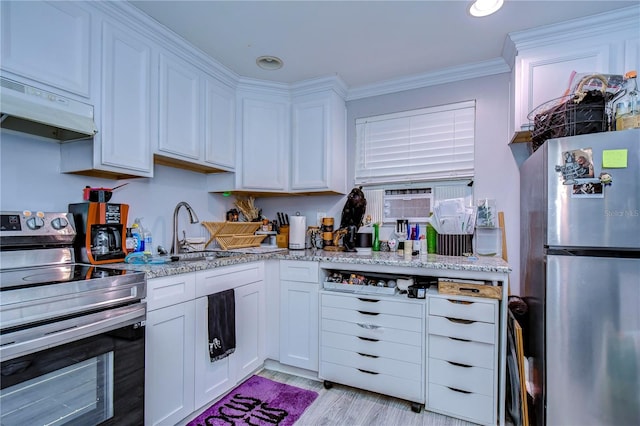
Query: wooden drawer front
(457, 376)
(219, 279)
(167, 291)
(472, 406)
(485, 310)
(373, 332)
(373, 320)
(469, 353)
(380, 365)
(373, 304)
(463, 329)
(378, 348)
(381, 383)
(297, 270)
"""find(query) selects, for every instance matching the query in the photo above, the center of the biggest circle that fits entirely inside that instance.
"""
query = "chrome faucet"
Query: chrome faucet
(175, 245)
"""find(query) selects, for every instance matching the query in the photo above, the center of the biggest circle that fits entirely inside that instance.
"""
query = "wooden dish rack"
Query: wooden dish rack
(232, 235)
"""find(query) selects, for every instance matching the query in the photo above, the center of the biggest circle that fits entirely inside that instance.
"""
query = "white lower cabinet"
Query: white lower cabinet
(250, 328)
(462, 366)
(180, 377)
(169, 351)
(375, 343)
(299, 286)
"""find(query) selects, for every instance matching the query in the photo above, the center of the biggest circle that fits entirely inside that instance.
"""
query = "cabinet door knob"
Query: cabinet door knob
(368, 313)
(368, 356)
(368, 339)
(362, 299)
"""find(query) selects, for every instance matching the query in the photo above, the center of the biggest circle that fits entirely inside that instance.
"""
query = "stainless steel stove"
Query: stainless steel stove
(65, 326)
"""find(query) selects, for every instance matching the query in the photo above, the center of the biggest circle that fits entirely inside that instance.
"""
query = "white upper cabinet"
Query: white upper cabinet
(128, 116)
(544, 58)
(47, 42)
(197, 118)
(220, 121)
(318, 145)
(125, 111)
(180, 109)
(264, 143)
(291, 139)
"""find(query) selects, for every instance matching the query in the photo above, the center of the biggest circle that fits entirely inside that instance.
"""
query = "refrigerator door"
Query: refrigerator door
(592, 341)
(610, 218)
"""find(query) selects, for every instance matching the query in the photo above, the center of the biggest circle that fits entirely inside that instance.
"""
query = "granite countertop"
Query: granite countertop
(459, 263)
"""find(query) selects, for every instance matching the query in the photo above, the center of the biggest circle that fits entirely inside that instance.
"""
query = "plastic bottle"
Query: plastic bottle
(148, 240)
(130, 242)
(136, 232)
(432, 239)
(375, 245)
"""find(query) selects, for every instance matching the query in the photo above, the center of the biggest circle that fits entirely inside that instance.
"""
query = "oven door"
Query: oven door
(87, 371)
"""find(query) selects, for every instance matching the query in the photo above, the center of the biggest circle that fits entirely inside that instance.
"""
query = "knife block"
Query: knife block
(282, 239)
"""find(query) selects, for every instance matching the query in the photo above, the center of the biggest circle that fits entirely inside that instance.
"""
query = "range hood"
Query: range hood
(38, 112)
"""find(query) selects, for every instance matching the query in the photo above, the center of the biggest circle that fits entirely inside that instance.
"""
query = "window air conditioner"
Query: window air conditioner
(411, 204)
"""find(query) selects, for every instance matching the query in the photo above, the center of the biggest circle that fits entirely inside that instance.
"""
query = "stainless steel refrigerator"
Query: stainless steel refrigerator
(580, 276)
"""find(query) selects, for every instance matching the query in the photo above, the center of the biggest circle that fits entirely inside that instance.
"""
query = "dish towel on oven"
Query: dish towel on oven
(222, 324)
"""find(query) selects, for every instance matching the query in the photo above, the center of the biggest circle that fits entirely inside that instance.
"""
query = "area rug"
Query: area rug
(258, 401)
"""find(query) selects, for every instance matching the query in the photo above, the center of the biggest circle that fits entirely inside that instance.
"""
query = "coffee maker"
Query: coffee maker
(101, 232)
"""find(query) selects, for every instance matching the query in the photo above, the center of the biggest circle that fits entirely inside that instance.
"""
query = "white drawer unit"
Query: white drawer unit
(462, 361)
(375, 343)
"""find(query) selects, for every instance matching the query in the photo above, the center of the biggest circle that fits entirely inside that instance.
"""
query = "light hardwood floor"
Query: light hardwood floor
(344, 405)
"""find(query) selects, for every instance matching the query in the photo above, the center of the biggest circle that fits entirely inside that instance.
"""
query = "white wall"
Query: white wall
(30, 180)
(496, 173)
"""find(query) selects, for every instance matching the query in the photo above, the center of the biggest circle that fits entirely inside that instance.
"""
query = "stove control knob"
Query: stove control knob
(59, 223)
(35, 222)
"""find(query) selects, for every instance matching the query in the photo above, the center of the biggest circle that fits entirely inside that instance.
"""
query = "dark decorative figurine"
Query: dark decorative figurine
(352, 215)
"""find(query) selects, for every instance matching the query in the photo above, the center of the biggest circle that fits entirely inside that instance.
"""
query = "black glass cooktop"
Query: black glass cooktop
(12, 279)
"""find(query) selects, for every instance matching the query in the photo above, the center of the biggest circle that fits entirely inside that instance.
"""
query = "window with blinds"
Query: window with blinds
(428, 144)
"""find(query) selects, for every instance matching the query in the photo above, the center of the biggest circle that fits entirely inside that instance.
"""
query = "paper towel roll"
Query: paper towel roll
(297, 232)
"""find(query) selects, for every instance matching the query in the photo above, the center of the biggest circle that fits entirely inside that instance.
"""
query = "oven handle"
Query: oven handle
(31, 340)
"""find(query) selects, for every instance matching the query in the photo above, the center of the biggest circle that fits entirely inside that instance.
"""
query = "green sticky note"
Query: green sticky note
(614, 158)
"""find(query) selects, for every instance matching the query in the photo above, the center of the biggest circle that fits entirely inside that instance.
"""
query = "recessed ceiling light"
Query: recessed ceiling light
(482, 8)
(269, 62)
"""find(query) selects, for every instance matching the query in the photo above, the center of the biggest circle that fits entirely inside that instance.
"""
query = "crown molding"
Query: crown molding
(445, 75)
(604, 25)
(332, 82)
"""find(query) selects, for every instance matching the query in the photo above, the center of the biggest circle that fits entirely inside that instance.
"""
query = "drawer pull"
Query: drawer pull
(459, 339)
(460, 302)
(368, 339)
(367, 355)
(368, 313)
(459, 390)
(457, 364)
(368, 326)
(367, 371)
(362, 299)
(460, 321)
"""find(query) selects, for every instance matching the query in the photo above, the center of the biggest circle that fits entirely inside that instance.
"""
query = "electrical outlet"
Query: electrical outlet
(320, 216)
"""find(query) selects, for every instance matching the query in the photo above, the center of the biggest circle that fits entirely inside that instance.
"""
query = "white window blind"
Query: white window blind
(435, 143)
